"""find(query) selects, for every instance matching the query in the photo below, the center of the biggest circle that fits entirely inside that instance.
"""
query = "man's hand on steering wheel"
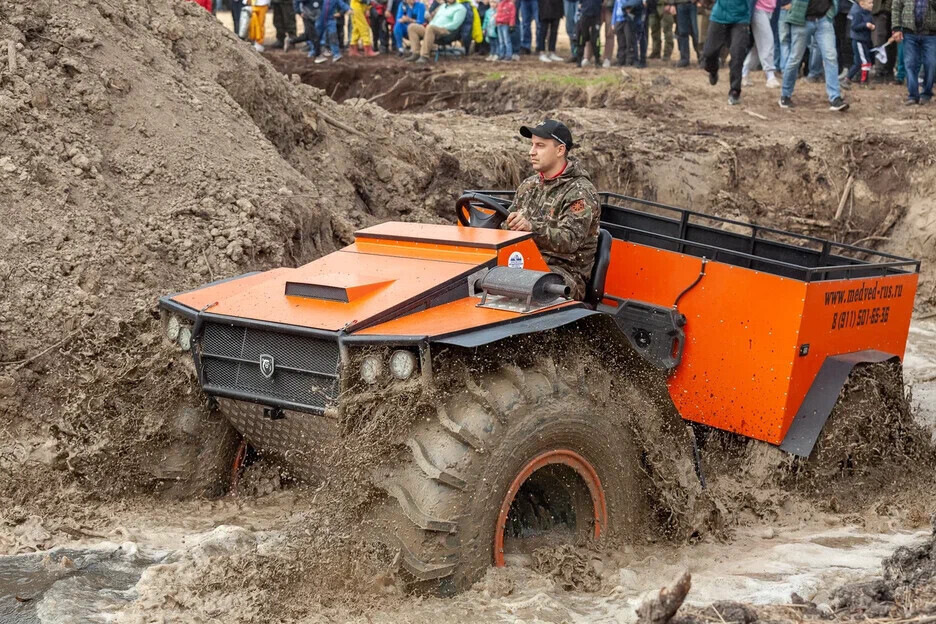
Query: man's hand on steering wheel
(518, 223)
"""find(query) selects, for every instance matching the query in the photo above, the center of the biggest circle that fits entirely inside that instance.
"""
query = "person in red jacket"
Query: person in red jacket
(206, 4)
(505, 18)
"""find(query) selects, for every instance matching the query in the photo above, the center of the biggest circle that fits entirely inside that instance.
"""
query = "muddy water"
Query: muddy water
(115, 578)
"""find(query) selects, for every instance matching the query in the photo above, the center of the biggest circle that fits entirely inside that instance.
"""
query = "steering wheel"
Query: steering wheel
(481, 211)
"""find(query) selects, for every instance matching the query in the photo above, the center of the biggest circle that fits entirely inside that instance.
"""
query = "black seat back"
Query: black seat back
(595, 288)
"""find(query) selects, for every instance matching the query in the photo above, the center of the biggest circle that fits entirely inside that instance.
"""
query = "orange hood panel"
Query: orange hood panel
(390, 267)
(378, 284)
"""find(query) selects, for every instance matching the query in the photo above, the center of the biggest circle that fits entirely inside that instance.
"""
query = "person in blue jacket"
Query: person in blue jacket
(861, 25)
(627, 21)
(408, 12)
(327, 26)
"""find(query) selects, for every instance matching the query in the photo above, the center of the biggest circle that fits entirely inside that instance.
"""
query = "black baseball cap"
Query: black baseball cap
(549, 129)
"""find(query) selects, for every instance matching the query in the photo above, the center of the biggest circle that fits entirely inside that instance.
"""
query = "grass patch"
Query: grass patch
(562, 80)
(494, 76)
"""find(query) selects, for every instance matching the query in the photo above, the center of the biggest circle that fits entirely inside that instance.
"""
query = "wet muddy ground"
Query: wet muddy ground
(121, 572)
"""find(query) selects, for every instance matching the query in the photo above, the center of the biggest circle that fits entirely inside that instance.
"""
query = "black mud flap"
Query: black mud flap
(523, 325)
(655, 332)
(823, 394)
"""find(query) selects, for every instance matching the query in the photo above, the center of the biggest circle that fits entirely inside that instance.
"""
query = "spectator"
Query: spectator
(380, 18)
(327, 27)
(812, 18)
(861, 26)
(360, 29)
(607, 11)
(762, 51)
(309, 11)
(284, 21)
(236, 8)
(447, 19)
(627, 20)
(529, 13)
(490, 31)
(257, 32)
(882, 31)
(206, 4)
(842, 46)
(570, 8)
(408, 12)
(914, 24)
(660, 21)
(506, 18)
(475, 32)
(587, 36)
(729, 24)
(547, 30)
(901, 73)
(686, 26)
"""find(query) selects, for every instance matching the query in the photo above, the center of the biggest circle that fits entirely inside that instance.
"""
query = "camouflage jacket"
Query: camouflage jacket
(564, 213)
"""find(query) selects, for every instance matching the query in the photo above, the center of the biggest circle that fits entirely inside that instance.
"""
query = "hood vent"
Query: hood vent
(317, 291)
(341, 288)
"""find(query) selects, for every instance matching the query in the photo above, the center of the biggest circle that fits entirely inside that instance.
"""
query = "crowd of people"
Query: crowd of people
(840, 42)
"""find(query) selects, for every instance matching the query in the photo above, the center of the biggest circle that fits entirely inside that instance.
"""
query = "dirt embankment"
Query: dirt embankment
(146, 150)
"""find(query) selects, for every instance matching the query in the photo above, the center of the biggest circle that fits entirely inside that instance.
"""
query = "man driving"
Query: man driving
(559, 205)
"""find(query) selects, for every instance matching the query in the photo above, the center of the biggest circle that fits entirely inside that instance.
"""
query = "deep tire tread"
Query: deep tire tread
(422, 459)
(416, 515)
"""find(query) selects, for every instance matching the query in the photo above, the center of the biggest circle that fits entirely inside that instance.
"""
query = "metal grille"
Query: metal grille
(305, 367)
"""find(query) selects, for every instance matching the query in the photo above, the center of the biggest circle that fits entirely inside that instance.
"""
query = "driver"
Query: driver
(559, 205)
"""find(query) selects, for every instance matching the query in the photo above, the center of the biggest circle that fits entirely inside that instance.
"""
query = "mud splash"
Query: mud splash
(240, 557)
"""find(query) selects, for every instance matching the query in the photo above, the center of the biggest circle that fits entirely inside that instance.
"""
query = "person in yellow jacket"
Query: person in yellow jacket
(257, 30)
(360, 29)
(477, 32)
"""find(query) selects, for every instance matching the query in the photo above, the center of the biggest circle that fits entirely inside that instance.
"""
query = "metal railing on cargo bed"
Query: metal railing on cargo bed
(772, 250)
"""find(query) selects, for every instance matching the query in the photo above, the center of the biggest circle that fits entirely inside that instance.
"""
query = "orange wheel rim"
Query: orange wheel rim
(573, 460)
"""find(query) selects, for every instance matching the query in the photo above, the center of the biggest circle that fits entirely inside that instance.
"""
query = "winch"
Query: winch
(520, 290)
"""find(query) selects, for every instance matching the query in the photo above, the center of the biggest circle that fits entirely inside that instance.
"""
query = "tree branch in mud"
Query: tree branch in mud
(661, 609)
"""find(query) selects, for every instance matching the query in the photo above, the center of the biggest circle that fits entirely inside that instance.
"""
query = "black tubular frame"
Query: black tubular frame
(831, 263)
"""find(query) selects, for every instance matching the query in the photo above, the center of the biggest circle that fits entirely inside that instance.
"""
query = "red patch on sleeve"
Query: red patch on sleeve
(577, 206)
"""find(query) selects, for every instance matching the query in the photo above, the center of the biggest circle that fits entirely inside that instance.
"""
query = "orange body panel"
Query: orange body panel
(532, 259)
(740, 335)
(741, 370)
(844, 316)
(398, 232)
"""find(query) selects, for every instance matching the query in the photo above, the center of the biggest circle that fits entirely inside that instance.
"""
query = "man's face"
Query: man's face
(545, 153)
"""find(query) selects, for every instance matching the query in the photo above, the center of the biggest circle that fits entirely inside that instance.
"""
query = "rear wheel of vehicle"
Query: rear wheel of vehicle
(522, 458)
(200, 462)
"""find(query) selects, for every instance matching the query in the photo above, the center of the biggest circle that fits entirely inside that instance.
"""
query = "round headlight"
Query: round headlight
(172, 329)
(185, 338)
(402, 364)
(371, 368)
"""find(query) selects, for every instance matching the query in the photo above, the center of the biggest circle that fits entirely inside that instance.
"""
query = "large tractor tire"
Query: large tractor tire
(199, 461)
(522, 453)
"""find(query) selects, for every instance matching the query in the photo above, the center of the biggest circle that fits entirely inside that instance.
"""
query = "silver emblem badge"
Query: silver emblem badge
(266, 366)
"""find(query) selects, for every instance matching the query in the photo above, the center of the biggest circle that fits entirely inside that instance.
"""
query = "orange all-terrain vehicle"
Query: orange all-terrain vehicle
(753, 330)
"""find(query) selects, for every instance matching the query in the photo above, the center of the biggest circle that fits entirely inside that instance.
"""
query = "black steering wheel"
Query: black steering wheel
(481, 211)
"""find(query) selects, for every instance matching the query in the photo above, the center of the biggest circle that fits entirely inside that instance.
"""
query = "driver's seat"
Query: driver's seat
(595, 288)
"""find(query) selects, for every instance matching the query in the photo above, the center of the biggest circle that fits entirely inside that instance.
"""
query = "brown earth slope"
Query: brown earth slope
(145, 150)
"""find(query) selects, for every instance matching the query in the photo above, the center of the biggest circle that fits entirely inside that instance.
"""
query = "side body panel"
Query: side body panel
(847, 316)
(741, 335)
